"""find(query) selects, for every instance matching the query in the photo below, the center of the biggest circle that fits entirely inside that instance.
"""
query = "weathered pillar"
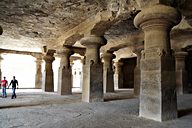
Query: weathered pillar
(81, 79)
(38, 75)
(93, 69)
(118, 76)
(158, 91)
(108, 81)
(65, 72)
(181, 73)
(48, 77)
(137, 74)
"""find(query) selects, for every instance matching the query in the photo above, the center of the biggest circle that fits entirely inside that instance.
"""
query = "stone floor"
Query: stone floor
(34, 109)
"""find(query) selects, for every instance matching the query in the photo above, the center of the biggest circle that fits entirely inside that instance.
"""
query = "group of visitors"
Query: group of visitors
(4, 85)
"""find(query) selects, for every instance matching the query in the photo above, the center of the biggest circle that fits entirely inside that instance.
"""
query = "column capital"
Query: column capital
(49, 59)
(159, 16)
(181, 54)
(39, 61)
(107, 56)
(119, 63)
(64, 51)
(93, 40)
(180, 60)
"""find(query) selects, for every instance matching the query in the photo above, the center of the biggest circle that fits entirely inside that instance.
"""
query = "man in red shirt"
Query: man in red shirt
(4, 84)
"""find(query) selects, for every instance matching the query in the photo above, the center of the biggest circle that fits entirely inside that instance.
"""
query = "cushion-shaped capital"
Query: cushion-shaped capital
(93, 40)
(49, 59)
(157, 14)
(181, 54)
(108, 56)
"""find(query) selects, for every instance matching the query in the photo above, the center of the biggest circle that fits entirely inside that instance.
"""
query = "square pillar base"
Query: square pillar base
(92, 83)
(48, 84)
(181, 82)
(158, 99)
(108, 81)
(65, 81)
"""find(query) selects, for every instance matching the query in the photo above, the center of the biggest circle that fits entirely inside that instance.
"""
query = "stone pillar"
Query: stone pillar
(158, 91)
(137, 74)
(65, 72)
(108, 81)
(81, 79)
(118, 76)
(93, 69)
(38, 75)
(181, 73)
(48, 77)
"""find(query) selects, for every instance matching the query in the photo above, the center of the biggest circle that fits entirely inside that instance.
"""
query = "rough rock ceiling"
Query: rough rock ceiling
(41, 21)
(30, 24)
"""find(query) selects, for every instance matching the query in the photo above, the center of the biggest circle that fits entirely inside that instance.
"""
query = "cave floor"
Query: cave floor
(36, 109)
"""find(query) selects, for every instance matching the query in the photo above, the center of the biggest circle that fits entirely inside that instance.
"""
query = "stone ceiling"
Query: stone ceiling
(35, 23)
(28, 25)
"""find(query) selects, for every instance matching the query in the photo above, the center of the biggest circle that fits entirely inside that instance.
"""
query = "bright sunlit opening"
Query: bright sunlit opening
(23, 67)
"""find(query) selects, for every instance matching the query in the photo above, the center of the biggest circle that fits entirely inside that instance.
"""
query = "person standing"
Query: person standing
(14, 82)
(4, 84)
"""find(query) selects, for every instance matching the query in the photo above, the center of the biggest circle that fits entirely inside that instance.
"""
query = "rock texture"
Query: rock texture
(30, 24)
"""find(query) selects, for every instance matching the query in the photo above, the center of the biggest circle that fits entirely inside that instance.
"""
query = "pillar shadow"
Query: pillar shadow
(184, 112)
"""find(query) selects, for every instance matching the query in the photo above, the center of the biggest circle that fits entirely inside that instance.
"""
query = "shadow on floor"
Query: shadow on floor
(184, 112)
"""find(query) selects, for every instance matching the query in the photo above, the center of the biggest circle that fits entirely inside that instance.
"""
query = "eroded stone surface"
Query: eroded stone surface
(29, 25)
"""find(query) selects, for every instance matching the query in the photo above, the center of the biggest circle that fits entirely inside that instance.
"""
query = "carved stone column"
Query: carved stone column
(48, 77)
(158, 92)
(81, 79)
(93, 69)
(65, 72)
(181, 73)
(38, 75)
(137, 74)
(108, 80)
(118, 76)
